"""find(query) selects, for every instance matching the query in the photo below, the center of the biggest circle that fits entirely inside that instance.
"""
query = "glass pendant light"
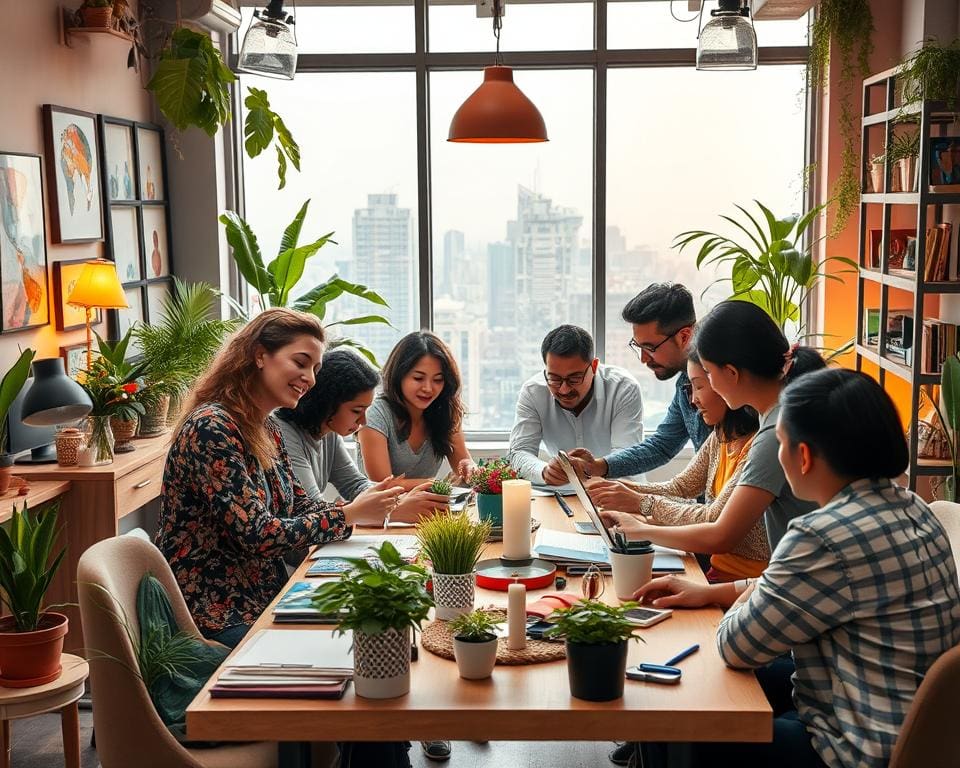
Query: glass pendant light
(270, 46)
(497, 112)
(728, 41)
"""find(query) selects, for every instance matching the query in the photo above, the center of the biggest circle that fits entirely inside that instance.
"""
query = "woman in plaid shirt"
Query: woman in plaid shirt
(862, 591)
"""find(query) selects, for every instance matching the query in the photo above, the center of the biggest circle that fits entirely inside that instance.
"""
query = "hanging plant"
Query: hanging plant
(843, 31)
(259, 128)
(932, 72)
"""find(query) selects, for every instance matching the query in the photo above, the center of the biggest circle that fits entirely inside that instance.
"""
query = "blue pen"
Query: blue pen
(683, 654)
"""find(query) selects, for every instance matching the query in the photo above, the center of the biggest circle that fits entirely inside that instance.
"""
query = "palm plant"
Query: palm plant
(774, 268)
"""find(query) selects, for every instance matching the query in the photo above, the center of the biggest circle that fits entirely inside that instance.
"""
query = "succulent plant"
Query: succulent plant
(441, 487)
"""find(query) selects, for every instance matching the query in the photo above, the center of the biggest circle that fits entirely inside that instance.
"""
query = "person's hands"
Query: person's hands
(553, 473)
(629, 524)
(371, 506)
(586, 465)
(464, 468)
(610, 494)
(419, 503)
(674, 592)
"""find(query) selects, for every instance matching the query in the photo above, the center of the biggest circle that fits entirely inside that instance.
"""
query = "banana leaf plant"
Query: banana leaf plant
(772, 265)
(10, 386)
(275, 282)
(948, 411)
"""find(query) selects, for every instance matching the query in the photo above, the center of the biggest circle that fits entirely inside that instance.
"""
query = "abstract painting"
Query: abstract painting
(150, 152)
(125, 243)
(75, 358)
(65, 276)
(73, 175)
(24, 294)
(118, 161)
(155, 241)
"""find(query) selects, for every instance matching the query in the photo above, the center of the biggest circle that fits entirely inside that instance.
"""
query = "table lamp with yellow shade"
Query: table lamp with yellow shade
(97, 286)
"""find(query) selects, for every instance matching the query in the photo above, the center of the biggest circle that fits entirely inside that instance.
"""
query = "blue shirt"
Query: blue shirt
(682, 422)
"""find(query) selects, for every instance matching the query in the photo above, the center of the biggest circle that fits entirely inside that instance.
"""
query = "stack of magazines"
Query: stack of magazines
(296, 606)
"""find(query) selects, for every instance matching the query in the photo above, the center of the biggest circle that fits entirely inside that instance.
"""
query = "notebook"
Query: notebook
(568, 547)
(359, 546)
(296, 607)
(310, 650)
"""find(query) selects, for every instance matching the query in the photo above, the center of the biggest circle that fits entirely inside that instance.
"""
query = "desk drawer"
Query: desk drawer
(139, 487)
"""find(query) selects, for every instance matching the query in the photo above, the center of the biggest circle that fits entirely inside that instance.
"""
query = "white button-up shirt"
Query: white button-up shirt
(612, 419)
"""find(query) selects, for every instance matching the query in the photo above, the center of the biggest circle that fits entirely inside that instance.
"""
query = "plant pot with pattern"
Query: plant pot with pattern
(31, 639)
(124, 430)
(381, 600)
(475, 644)
(452, 543)
(10, 386)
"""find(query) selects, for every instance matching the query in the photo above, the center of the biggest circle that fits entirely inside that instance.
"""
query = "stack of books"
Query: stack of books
(288, 664)
(939, 340)
(940, 258)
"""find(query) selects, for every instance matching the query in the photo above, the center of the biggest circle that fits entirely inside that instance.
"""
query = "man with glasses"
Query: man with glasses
(574, 402)
(662, 318)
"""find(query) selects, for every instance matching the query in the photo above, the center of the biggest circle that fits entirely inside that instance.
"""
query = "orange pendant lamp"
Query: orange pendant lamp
(497, 112)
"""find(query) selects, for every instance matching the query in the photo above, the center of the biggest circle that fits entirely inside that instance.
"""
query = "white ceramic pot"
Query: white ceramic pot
(453, 594)
(876, 177)
(907, 170)
(631, 571)
(475, 660)
(381, 664)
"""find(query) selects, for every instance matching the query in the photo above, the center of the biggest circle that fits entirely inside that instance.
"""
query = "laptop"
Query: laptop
(588, 506)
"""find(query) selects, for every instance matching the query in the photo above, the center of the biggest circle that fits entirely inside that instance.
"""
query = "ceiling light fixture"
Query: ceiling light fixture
(728, 41)
(270, 45)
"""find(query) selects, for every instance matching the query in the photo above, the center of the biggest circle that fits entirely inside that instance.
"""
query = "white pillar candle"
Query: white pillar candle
(516, 617)
(516, 519)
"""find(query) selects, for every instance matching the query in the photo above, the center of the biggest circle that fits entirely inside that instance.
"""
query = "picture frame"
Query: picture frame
(151, 174)
(75, 358)
(119, 321)
(945, 164)
(24, 285)
(72, 145)
(119, 163)
(157, 293)
(156, 248)
(901, 249)
(125, 243)
(69, 317)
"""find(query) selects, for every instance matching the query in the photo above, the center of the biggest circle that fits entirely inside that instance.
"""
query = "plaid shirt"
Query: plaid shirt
(864, 592)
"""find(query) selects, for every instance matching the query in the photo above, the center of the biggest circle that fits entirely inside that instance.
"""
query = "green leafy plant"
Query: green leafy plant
(377, 594)
(933, 73)
(452, 542)
(25, 567)
(477, 626)
(191, 83)
(441, 487)
(772, 268)
(948, 411)
(843, 32)
(111, 381)
(590, 622)
(904, 144)
(276, 281)
(10, 386)
(259, 129)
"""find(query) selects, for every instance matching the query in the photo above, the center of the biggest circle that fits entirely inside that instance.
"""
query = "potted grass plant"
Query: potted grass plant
(487, 480)
(381, 599)
(904, 150)
(31, 639)
(452, 543)
(10, 386)
(596, 636)
(475, 644)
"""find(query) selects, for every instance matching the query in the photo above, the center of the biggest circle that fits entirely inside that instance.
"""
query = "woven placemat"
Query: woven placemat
(437, 639)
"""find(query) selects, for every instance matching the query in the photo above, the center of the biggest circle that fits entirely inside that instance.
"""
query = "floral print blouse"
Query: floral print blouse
(225, 522)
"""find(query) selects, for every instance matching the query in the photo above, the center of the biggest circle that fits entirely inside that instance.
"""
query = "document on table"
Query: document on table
(306, 649)
(359, 546)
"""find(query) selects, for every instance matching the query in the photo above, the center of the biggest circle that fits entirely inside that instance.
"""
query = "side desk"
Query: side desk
(40, 492)
(97, 498)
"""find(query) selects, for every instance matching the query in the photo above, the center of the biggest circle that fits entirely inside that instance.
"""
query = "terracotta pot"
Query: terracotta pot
(123, 432)
(31, 658)
(154, 421)
(876, 177)
(6, 471)
(97, 17)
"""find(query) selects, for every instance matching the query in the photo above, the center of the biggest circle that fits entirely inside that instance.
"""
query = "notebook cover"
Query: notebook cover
(335, 691)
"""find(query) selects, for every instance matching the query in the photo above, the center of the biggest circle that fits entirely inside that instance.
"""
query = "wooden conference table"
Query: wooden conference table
(528, 703)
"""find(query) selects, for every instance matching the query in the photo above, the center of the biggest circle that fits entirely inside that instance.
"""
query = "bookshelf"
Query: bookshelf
(907, 252)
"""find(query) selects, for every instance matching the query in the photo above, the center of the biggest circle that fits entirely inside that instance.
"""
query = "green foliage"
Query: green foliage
(904, 144)
(10, 386)
(478, 625)
(932, 73)
(111, 381)
(948, 411)
(489, 475)
(441, 487)
(844, 28)
(25, 549)
(377, 595)
(591, 622)
(191, 82)
(452, 542)
(769, 268)
(259, 129)
(275, 282)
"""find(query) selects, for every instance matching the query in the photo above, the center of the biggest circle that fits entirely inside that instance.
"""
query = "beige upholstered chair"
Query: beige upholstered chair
(948, 513)
(129, 731)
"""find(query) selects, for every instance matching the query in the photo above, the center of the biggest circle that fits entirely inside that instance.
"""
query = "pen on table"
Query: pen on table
(563, 505)
(683, 654)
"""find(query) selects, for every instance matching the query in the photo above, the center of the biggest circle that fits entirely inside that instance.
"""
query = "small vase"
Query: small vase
(876, 177)
(100, 18)
(475, 658)
(154, 421)
(381, 664)
(490, 507)
(68, 443)
(123, 432)
(99, 439)
(907, 171)
(453, 594)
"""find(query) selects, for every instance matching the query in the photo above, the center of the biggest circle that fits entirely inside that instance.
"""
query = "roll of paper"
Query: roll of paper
(516, 617)
(516, 519)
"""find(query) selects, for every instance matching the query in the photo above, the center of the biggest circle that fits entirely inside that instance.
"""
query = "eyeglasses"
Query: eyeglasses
(573, 380)
(651, 349)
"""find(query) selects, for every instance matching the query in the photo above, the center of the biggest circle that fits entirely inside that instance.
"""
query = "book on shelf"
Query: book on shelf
(938, 341)
(940, 259)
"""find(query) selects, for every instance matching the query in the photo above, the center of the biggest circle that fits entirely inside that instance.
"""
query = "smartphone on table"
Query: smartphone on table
(647, 617)
(655, 674)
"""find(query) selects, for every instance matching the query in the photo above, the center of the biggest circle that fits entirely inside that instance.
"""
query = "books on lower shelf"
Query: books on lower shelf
(563, 547)
(940, 258)
(938, 340)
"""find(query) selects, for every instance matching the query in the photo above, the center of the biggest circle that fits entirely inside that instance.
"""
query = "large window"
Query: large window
(512, 248)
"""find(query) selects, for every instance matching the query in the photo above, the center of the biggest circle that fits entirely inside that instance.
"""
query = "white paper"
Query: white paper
(359, 546)
(291, 648)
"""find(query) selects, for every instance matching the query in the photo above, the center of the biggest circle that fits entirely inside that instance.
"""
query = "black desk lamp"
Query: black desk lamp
(54, 398)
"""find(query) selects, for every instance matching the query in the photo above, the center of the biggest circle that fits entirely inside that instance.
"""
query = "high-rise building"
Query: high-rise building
(501, 286)
(451, 260)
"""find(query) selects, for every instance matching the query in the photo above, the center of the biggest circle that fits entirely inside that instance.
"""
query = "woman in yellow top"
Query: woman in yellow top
(713, 472)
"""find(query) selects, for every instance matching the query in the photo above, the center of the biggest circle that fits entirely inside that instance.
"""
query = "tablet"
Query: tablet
(585, 499)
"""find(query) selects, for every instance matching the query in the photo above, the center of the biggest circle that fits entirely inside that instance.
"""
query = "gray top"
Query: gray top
(318, 462)
(763, 470)
(403, 459)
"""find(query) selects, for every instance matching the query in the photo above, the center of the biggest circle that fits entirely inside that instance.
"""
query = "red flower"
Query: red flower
(130, 388)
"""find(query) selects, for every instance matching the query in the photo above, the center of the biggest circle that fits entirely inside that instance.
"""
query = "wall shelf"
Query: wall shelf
(68, 29)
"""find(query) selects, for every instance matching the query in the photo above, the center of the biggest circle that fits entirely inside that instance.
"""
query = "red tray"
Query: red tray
(499, 574)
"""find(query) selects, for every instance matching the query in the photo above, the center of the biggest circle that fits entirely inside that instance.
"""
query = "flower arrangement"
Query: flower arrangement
(112, 382)
(488, 477)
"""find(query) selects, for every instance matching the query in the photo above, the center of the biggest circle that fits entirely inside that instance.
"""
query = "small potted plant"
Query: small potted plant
(10, 386)
(96, 14)
(441, 487)
(475, 644)
(596, 636)
(381, 600)
(877, 172)
(904, 150)
(31, 639)
(487, 480)
(452, 543)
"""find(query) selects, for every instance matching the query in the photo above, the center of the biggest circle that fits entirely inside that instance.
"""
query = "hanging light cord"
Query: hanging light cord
(497, 24)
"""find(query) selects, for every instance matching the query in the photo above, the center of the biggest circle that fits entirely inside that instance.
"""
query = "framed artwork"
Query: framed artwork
(945, 164)
(157, 294)
(155, 241)
(118, 161)
(73, 175)
(75, 358)
(150, 154)
(24, 291)
(122, 320)
(901, 249)
(125, 243)
(69, 317)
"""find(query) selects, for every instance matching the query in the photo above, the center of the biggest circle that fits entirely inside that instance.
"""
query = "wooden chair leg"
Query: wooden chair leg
(70, 725)
(5, 743)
